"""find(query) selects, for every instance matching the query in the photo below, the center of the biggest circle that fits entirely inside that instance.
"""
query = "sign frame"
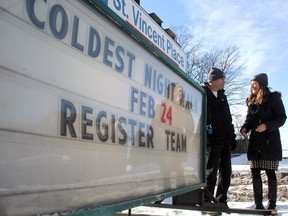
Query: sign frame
(43, 135)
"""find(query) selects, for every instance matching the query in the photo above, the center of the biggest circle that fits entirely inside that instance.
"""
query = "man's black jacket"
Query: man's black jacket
(219, 116)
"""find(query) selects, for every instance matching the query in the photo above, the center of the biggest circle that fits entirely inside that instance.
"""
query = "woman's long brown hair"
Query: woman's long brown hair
(258, 99)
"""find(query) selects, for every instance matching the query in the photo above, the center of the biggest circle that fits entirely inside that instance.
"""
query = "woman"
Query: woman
(266, 114)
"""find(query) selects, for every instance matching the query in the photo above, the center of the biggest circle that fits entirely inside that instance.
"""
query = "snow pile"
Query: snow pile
(240, 193)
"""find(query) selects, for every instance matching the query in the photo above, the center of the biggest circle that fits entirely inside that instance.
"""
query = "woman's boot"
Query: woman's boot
(258, 193)
(272, 194)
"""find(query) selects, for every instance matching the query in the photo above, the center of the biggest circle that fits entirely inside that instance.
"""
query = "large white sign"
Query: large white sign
(135, 16)
(86, 110)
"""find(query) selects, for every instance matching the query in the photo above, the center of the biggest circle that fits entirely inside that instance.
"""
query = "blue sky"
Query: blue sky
(258, 27)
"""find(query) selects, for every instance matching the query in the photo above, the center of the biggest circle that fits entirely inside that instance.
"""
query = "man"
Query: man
(220, 136)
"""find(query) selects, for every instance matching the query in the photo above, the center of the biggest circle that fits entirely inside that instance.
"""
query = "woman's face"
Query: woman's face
(255, 87)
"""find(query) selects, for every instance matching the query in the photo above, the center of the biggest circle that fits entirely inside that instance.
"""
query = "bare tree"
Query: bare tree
(200, 62)
(227, 59)
(185, 39)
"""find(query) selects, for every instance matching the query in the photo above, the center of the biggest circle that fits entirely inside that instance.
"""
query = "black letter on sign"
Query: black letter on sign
(31, 13)
(86, 122)
(122, 121)
(67, 107)
(150, 135)
(94, 34)
(102, 133)
(60, 34)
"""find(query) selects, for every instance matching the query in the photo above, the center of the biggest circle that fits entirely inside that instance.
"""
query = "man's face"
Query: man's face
(218, 84)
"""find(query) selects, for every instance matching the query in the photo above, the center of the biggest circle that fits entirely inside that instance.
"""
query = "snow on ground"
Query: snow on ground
(239, 163)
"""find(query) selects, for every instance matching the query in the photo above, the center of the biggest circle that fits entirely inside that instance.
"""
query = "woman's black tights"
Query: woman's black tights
(256, 174)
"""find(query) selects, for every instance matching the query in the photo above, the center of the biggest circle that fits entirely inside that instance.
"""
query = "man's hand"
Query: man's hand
(244, 132)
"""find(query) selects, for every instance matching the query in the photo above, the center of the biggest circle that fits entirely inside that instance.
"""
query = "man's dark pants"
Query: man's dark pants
(219, 158)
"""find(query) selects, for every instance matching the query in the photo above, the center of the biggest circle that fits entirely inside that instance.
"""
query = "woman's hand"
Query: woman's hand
(261, 128)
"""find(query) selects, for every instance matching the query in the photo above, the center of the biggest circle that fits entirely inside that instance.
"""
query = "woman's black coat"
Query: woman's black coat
(266, 145)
